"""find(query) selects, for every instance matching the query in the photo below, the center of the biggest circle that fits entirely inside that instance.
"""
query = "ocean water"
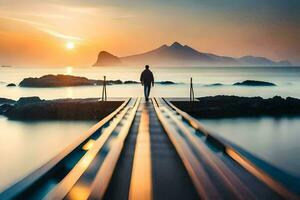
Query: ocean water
(24, 146)
(287, 80)
(274, 140)
(29, 145)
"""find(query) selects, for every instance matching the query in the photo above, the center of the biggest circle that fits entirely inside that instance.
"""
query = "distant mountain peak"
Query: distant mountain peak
(176, 45)
(107, 59)
(163, 46)
(177, 54)
(105, 53)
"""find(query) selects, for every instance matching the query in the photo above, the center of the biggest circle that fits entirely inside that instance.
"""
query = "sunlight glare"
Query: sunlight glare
(69, 70)
(88, 145)
(70, 45)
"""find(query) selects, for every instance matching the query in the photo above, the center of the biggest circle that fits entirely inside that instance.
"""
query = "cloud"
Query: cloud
(49, 16)
(32, 23)
(60, 35)
(45, 28)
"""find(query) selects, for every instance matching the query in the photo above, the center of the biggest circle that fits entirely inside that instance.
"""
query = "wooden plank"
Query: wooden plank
(141, 178)
(63, 188)
(103, 177)
(241, 160)
(238, 189)
(202, 183)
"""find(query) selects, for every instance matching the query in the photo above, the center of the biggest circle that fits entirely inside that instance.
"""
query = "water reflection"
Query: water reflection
(24, 146)
(273, 140)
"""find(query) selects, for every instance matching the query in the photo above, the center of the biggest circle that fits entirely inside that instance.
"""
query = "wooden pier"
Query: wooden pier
(148, 150)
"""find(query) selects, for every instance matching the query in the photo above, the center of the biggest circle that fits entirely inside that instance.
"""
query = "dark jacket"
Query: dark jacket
(147, 77)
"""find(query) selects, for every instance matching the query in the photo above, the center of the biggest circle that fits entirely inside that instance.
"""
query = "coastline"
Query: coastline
(222, 106)
(33, 108)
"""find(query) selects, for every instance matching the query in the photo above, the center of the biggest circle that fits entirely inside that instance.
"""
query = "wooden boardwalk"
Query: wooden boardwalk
(148, 150)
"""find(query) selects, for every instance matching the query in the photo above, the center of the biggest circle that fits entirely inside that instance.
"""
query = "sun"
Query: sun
(70, 45)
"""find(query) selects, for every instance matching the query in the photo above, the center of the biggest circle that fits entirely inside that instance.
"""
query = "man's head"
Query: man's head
(147, 66)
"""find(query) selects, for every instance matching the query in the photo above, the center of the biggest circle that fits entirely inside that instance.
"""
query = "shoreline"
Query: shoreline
(34, 109)
(210, 107)
(221, 106)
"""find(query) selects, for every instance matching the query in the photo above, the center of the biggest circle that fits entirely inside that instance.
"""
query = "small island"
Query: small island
(214, 85)
(11, 85)
(166, 82)
(63, 81)
(70, 81)
(254, 83)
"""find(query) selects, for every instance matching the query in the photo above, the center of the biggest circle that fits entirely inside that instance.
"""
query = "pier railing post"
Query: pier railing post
(104, 94)
(192, 97)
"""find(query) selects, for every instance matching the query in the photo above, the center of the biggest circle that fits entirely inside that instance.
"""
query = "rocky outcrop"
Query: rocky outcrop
(107, 59)
(11, 85)
(131, 82)
(213, 84)
(234, 106)
(27, 100)
(165, 82)
(254, 83)
(5, 104)
(63, 81)
(158, 82)
(68, 81)
(62, 109)
(6, 101)
(4, 108)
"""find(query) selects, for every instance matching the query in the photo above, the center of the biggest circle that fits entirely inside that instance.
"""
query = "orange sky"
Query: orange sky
(35, 33)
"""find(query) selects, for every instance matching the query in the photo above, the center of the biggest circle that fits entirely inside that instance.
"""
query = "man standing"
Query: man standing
(147, 80)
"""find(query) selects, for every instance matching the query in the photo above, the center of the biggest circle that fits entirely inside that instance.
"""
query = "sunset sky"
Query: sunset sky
(41, 33)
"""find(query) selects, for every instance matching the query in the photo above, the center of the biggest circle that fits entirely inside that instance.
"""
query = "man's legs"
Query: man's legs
(147, 91)
(149, 88)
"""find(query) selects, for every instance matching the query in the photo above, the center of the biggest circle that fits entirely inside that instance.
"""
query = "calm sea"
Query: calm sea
(28, 145)
(286, 78)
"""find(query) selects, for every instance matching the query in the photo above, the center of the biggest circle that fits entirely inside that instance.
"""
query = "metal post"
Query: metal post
(105, 88)
(104, 94)
(192, 97)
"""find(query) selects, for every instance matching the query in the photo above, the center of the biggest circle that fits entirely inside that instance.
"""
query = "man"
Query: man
(147, 80)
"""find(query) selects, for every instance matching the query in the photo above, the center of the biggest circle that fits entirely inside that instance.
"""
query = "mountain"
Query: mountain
(252, 60)
(181, 55)
(107, 59)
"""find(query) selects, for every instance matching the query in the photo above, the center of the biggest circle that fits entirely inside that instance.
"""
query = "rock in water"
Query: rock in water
(166, 82)
(62, 109)
(27, 100)
(234, 106)
(4, 108)
(56, 81)
(63, 81)
(254, 83)
(131, 82)
(8, 101)
(214, 84)
(11, 85)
